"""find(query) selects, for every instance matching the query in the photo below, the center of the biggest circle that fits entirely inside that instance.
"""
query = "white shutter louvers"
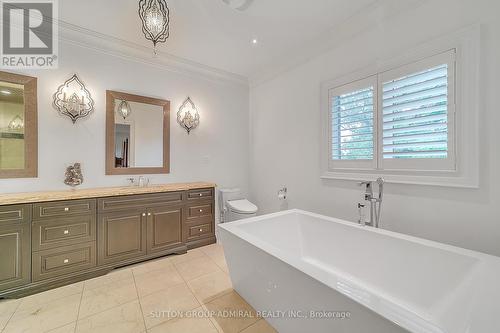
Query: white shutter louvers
(415, 115)
(352, 125)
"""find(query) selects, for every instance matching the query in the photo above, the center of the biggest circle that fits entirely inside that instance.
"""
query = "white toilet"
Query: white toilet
(233, 206)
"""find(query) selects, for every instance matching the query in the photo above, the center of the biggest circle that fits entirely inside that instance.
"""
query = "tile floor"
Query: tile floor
(140, 298)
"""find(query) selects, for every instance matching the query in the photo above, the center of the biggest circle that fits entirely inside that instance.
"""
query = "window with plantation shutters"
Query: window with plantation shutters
(353, 123)
(415, 119)
(411, 118)
(416, 115)
(400, 119)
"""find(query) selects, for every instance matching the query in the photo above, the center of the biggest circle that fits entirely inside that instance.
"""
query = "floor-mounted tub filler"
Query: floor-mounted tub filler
(295, 266)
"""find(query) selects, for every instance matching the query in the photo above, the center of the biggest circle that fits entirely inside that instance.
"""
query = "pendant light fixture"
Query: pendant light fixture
(154, 16)
(16, 124)
(240, 5)
(124, 109)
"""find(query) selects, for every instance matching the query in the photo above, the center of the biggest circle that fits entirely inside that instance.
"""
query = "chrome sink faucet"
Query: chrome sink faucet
(140, 182)
(375, 202)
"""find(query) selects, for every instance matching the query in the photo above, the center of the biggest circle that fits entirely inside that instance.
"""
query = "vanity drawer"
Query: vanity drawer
(200, 210)
(15, 214)
(63, 208)
(63, 231)
(202, 193)
(139, 201)
(63, 260)
(200, 231)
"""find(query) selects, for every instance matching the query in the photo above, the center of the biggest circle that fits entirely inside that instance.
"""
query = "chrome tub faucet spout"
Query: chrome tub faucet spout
(375, 202)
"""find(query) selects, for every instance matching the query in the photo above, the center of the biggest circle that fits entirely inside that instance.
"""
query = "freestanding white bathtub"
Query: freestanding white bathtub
(294, 266)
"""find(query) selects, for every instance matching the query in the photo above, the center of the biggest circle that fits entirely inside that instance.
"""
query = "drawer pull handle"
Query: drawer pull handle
(66, 209)
(143, 214)
(65, 261)
(201, 230)
(149, 214)
(201, 194)
(201, 210)
(66, 232)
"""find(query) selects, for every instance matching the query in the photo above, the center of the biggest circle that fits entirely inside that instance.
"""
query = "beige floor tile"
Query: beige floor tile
(210, 286)
(216, 253)
(108, 296)
(51, 295)
(197, 267)
(110, 278)
(126, 318)
(7, 308)
(70, 328)
(232, 302)
(198, 324)
(152, 265)
(191, 254)
(261, 326)
(222, 265)
(166, 304)
(45, 317)
(157, 280)
(213, 250)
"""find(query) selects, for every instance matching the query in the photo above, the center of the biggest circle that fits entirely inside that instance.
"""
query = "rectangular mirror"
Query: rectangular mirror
(18, 126)
(137, 134)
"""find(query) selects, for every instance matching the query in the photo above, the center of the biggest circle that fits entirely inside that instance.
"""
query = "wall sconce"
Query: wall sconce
(72, 99)
(188, 116)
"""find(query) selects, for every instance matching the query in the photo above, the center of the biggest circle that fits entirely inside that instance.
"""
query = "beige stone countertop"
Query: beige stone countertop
(31, 197)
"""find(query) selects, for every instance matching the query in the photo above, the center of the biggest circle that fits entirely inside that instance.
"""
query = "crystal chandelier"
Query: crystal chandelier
(240, 5)
(154, 15)
(124, 109)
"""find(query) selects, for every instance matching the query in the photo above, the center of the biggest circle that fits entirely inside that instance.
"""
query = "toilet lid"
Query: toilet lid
(242, 206)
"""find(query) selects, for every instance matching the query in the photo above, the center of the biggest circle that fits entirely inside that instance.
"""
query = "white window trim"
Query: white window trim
(466, 43)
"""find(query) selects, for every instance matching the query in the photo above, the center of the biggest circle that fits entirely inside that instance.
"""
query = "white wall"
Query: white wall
(285, 132)
(216, 151)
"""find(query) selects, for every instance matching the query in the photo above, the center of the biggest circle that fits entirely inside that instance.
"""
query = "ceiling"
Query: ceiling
(211, 33)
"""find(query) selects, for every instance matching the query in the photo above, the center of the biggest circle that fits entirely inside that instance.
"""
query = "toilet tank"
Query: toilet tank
(228, 194)
(225, 194)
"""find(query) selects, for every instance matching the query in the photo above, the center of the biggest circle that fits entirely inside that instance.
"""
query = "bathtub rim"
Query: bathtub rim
(230, 226)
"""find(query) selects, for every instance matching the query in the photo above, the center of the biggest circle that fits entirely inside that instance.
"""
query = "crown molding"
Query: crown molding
(356, 24)
(82, 37)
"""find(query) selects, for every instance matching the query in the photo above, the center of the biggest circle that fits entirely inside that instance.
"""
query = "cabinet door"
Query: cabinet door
(164, 228)
(15, 256)
(121, 236)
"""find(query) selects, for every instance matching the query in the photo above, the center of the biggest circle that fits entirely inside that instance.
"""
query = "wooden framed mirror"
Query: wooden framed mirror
(18, 126)
(137, 134)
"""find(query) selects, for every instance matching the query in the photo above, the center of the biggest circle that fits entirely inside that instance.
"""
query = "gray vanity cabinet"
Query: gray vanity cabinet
(164, 228)
(121, 236)
(134, 226)
(46, 244)
(15, 246)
